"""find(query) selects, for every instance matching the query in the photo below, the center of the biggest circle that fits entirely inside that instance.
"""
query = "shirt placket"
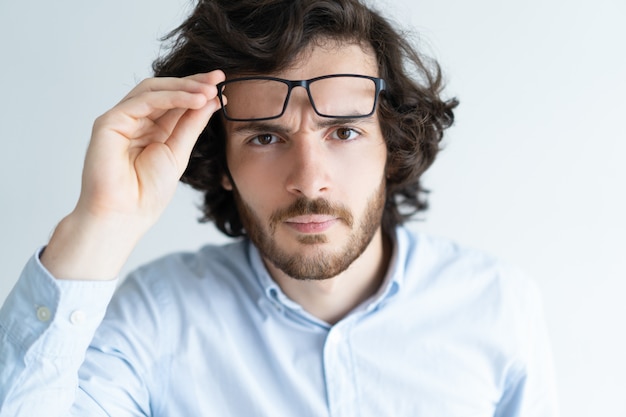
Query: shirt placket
(341, 387)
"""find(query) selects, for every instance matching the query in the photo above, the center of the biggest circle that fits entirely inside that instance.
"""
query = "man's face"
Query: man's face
(310, 190)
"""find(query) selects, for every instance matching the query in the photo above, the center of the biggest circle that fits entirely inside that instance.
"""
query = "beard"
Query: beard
(318, 264)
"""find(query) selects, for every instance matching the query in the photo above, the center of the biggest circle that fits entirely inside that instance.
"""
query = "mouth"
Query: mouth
(314, 223)
(311, 217)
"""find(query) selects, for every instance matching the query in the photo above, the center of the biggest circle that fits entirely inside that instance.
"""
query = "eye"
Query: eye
(264, 139)
(345, 133)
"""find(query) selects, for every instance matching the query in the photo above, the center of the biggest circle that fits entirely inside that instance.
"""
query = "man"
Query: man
(299, 122)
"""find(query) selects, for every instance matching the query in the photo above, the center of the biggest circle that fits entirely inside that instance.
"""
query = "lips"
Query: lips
(311, 216)
(314, 223)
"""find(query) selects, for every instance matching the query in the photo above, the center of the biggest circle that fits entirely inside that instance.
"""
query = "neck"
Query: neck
(332, 299)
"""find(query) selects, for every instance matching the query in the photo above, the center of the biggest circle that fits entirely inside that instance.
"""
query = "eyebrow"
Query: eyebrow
(247, 128)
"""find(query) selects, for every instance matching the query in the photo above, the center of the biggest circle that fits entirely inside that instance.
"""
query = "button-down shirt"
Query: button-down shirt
(451, 332)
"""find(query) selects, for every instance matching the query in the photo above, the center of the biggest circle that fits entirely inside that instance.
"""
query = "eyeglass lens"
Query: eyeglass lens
(342, 96)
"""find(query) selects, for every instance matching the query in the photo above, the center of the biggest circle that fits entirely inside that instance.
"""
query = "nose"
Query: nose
(308, 174)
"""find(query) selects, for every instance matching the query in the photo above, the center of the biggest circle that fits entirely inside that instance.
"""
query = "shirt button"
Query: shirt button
(43, 313)
(78, 317)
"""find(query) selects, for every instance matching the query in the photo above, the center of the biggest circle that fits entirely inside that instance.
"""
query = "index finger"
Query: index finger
(204, 83)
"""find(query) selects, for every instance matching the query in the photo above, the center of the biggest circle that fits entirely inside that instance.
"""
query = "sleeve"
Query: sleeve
(126, 367)
(46, 326)
(531, 383)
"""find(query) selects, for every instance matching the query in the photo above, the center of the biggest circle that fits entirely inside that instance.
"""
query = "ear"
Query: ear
(226, 183)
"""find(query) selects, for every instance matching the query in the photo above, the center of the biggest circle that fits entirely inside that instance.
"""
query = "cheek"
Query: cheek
(365, 168)
(360, 182)
(258, 183)
(254, 171)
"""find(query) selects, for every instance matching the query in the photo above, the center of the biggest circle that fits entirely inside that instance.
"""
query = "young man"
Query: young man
(298, 121)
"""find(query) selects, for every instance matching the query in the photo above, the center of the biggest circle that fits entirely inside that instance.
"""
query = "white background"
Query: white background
(533, 170)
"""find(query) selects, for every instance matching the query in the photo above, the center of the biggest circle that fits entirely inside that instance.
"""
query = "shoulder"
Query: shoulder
(183, 272)
(469, 292)
(442, 265)
(204, 263)
(183, 290)
(184, 279)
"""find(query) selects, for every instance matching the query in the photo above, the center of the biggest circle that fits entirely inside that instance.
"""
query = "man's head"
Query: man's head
(256, 37)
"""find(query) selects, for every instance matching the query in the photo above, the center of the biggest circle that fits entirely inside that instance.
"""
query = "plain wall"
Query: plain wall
(533, 170)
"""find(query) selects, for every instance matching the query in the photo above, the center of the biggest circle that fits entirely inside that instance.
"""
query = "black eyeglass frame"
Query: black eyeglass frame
(378, 82)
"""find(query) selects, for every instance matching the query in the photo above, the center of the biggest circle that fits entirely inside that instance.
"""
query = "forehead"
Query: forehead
(324, 57)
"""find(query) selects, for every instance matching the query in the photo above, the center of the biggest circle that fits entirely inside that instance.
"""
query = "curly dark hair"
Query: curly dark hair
(265, 36)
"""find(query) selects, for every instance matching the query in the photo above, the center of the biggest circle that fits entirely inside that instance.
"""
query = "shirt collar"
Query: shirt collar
(270, 288)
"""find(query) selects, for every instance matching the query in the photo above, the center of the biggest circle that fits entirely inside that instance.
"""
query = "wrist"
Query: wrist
(86, 247)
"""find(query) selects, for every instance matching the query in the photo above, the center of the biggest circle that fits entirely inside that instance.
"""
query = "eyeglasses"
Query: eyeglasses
(264, 98)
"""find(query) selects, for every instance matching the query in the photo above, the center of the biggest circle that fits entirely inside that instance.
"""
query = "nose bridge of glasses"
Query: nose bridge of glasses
(306, 97)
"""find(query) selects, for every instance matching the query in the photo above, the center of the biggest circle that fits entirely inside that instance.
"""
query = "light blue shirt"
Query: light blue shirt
(450, 333)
